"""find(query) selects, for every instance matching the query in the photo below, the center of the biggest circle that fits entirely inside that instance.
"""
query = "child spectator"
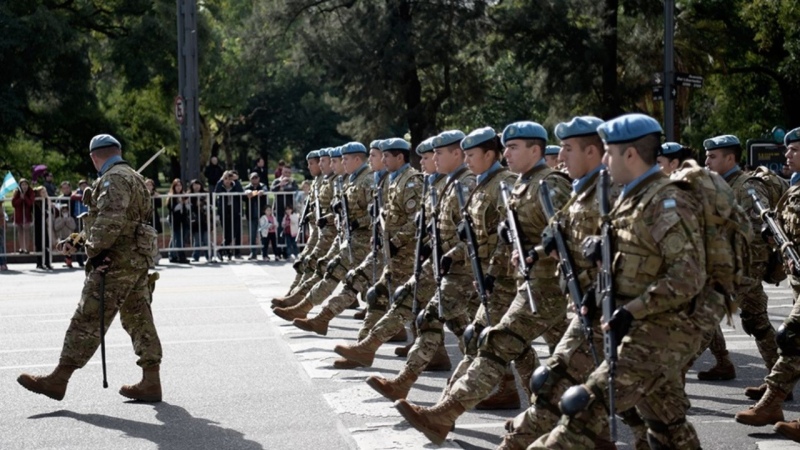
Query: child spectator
(268, 226)
(64, 225)
(291, 226)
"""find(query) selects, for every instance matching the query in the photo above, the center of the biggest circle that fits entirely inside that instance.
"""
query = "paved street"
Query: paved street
(237, 377)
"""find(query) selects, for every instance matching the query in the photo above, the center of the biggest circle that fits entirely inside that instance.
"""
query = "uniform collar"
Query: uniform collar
(355, 174)
(795, 178)
(628, 187)
(580, 183)
(107, 165)
(494, 168)
(731, 172)
(378, 175)
(397, 172)
(453, 173)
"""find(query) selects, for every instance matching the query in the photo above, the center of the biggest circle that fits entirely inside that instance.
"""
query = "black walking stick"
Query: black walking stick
(103, 327)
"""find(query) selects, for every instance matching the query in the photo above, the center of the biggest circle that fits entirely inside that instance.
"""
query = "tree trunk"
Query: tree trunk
(610, 89)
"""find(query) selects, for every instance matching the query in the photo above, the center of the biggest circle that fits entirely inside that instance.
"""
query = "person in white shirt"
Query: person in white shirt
(291, 227)
(268, 227)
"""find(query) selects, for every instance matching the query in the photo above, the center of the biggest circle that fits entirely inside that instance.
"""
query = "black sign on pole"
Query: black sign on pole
(658, 93)
(767, 153)
(688, 80)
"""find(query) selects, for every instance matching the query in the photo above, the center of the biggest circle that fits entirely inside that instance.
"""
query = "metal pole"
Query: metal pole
(669, 69)
(188, 88)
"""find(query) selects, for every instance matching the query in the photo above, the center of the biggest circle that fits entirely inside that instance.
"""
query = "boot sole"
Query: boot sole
(344, 354)
(376, 386)
(289, 316)
(351, 365)
(715, 378)
(438, 367)
(304, 327)
(758, 424)
(787, 434)
(143, 399)
(55, 396)
(410, 415)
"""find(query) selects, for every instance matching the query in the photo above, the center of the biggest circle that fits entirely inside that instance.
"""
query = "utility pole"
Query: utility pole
(186, 108)
(670, 91)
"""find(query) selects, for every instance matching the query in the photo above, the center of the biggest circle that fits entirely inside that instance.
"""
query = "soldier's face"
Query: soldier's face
(325, 164)
(519, 156)
(338, 167)
(392, 162)
(313, 166)
(616, 159)
(793, 156)
(574, 158)
(551, 161)
(717, 161)
(479, 161)
(375, 160)
(446, 159)
(351, 163)
(426, 162)
(667, 165)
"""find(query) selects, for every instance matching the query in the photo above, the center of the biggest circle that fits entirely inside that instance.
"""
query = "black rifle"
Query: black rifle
(345, 217)
(317, 208)
(516, 242)
(768, 216)
(376, 214)
(103, 326)
(304, 214)
(418, 250)
(472, 246)
(605, 290)
(387, 252)
(567, 267)
(436, 258)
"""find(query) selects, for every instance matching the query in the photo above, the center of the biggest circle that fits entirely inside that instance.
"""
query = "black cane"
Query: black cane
(103, 327)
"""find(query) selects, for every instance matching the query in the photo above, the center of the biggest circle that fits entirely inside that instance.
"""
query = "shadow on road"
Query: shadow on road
(178, 429)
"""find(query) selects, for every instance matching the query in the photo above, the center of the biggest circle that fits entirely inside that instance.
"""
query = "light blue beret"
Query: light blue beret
(669, 148)
(523, 130)
(335, 152)
(723, 141)
(323, 152)
(448, 137)
(552, 150)
(314, 154)
(792, 136)
(628, 128)
(352, 148)
(425, 146)
(375, 144)
(394, 144)
(478, 137)
(103, 140)
(578, 126)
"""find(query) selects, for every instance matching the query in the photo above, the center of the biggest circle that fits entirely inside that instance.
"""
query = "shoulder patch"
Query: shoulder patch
(106, 184)
(411, 204)
(669, 203)
(411, 184)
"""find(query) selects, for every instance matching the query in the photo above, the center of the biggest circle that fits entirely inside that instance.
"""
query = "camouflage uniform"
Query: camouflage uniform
(116, 228)
(751, 296)
(313, 234)
(511, 337)
(659, 260)
(572, 361)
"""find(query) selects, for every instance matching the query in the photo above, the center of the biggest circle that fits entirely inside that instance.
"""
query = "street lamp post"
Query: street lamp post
(188, 90)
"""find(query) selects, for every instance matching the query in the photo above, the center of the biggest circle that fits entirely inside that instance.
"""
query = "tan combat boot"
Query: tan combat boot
(291, 299)
(789, 430)
(53, 385)
(434, 422)
(363, 352)
(393, 389)
(723, 370)
(344, 363)
(361, 314)
(767, 411)
(506, 396)
(318, 324)
(147, 390)
(353, 305)
(440, 361)
(298, 311)
(757, 392)
(401, 336)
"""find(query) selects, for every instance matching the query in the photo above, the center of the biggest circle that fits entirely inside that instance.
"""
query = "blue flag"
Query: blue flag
(9, 184)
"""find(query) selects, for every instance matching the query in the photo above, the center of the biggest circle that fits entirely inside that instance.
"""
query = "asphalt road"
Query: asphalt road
(237, 377)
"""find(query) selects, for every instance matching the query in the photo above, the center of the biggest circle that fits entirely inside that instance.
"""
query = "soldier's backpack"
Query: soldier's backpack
(727, 230)
(776, 187)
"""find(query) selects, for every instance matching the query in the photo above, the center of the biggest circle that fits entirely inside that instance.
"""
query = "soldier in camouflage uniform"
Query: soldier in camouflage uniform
(312, 158)
(326, 234)
(405, 195)
(458, 301)
(491, 348)
(340, 258)
(551, 156)
(722, 156)
(786, 371)
(121, 247)
(659, 275)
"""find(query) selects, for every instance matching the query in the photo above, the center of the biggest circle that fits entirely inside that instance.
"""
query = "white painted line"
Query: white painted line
(193, 341)
(777, 445)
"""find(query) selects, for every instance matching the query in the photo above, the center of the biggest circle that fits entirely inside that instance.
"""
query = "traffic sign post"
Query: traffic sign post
(688, 80)
(180, 109)
(767, 153)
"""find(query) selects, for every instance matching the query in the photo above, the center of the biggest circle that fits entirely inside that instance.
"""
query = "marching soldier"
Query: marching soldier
(786, 371)
(457, 300)
(491, 347)
(722, 156)
(312, 158)
(551, 156)
(121, 247)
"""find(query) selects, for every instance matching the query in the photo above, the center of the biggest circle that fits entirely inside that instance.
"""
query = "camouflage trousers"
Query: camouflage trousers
(459, 303)
(786, 371)
(313, 269)
(126, 292)
(337, 263)
(648, 377)
(509, 340)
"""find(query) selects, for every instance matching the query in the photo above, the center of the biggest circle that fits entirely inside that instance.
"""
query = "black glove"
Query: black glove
(298, 266)
(373, 210)
(533, 255)
(589, 301)
(336, 206)
(462, 231)
(425, 252)
(592, 248)
(100, 260)
(444, 265)
(549, 239)
(322, 222)
(392, 249)
(354, 225)
(620, 323)
(766, 233)
(488, 283)
(504, 231)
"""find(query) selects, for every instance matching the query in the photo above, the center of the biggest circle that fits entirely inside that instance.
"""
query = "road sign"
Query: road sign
(761, 152)
(688, 80)
(658, 78)
(658, 93)
(180, 109)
